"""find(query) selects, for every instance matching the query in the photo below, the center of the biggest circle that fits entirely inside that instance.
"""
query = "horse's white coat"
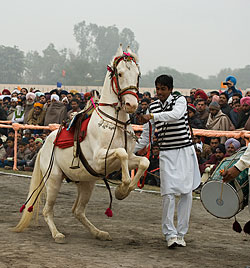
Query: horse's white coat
(94, 148)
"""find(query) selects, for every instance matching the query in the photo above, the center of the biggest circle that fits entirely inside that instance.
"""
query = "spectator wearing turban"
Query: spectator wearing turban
(12, 108)
(232, 145)
(200, 94)
(36, 115)
(6, 92)
(244, 113)
(30, 99)
(217, 120)
(56, 112)
(231, 82)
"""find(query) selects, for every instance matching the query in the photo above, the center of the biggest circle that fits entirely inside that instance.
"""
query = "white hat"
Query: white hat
(199, 147)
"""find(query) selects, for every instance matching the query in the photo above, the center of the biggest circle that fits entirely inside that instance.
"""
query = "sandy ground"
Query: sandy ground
(135, 229)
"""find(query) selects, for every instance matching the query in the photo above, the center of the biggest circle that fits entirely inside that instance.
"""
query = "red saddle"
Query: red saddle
(66, 137)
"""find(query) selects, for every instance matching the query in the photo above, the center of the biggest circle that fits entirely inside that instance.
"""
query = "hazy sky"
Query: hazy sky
(198, 36)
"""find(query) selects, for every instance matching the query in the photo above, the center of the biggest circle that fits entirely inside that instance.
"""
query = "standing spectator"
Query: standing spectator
(153, 178)
(13, 104)
(144, 105)
(235, 112)
(36, 115)
(18, 115)
(194, 121)
(231, 82)
(147, 95)
(200, 95)
(202, 112)
(56, 112)
(245, 112)
(75, 109)
(224, 106)
(192, 93)
(217, 120)
(30, 100)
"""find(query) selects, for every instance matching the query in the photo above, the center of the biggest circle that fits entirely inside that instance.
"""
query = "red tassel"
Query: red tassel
(236, 226)
(30, 209)
(109, 212)
(246, 228)
(22, 208)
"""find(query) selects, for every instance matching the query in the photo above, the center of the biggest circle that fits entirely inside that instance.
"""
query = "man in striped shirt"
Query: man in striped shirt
(179, 170)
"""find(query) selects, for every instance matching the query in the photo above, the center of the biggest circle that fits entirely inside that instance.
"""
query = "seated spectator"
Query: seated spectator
(12, 108)
(210, 165)
(217, 120)
(9, 156)
(224, 106)
(231, 82)
(56, 112)
(244, 113)
(36, 115)
(32, 157)
(212, 95)
(194, 121)
(236, 97)
(232, 145)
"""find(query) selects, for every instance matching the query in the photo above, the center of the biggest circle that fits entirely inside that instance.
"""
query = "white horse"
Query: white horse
(106, 148)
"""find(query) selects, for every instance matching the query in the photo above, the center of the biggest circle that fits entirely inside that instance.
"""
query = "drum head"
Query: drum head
(222, 206)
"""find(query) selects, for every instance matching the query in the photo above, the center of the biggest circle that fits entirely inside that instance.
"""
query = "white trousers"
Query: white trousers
(183, 214)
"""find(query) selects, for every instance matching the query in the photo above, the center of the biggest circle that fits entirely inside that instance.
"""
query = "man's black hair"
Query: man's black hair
(238, 95)
(165, 80)
(75, 100)
(215, 92)
(147, 93)
(212, 138)
(145, 100)
(225, 94)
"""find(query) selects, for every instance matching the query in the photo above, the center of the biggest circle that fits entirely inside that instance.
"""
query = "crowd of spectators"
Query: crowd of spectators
(215, 110)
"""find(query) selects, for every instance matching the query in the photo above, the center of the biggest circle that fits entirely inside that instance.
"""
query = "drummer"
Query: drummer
(234, 171)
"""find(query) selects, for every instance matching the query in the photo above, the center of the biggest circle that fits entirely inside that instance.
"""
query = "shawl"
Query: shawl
(55, 114)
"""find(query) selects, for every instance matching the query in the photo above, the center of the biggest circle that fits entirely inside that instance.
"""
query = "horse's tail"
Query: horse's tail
(34, 190)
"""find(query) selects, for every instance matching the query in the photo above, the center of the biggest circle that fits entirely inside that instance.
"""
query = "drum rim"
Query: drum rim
(239, 209)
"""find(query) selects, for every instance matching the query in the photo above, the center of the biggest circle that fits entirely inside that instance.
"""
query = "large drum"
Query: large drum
(224, 200)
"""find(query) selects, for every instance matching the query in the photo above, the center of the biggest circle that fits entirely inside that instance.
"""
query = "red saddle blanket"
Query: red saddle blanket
(66, 137)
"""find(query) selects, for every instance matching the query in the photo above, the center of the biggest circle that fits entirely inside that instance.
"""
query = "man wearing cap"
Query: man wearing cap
(231, 82)
(217, 120)
(179, 170)
(244, 113)
(194, 121)
(13, 104)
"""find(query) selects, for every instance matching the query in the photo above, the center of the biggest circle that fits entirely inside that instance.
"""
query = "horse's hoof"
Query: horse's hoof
(119, 194)
(60, 239)
(104, 236)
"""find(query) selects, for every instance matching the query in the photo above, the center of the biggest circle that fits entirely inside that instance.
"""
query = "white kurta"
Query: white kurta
(179, 169)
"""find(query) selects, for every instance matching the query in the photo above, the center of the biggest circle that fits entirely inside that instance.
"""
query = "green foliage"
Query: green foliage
(12, 64)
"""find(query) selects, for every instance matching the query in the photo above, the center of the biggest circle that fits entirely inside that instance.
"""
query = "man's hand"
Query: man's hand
(230, 174)
(144, 118)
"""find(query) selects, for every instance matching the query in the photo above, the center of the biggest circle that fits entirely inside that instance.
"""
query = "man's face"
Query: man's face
(235, 98)
(237, 107)
(10, 143)
(213, 111)
(190, 113)
(74, 105)
(69, 96)
(163, 92)
(43, 99)
(37, 110)
(229, 84)
(222, 99)
(144, 106)
(155, 150)
(245, 107)
(192, 92)
(218, 154)
(230, 149)
(21, 148)
(201, 106)
(214, 143)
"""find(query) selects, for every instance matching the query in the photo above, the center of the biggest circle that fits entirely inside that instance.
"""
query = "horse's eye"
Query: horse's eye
(120, 74)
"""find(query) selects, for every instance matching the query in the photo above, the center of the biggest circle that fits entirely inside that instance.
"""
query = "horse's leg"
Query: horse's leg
(142, 164)
(53, 187)
(84, 193)
(120, 153)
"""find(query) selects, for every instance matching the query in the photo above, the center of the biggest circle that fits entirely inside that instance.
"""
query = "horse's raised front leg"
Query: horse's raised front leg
(120, 153)
(142, 164)
(53, 186)
(84, 193)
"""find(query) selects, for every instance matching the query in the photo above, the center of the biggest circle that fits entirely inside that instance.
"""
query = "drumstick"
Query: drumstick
(221, 171)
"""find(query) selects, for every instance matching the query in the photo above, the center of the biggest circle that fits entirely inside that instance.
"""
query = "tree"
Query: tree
(99, 43)
(12, 65)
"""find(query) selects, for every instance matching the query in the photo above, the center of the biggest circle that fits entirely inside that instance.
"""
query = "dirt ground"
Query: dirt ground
(135, 229)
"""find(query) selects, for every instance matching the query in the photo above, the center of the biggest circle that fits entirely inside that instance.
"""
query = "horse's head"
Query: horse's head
(124, 73)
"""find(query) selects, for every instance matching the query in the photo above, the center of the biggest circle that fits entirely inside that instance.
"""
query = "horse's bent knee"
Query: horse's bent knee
(121, 154)
(144, 163)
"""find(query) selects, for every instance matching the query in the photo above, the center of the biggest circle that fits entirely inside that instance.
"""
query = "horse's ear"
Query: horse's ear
(119, 51)
(132, 54)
